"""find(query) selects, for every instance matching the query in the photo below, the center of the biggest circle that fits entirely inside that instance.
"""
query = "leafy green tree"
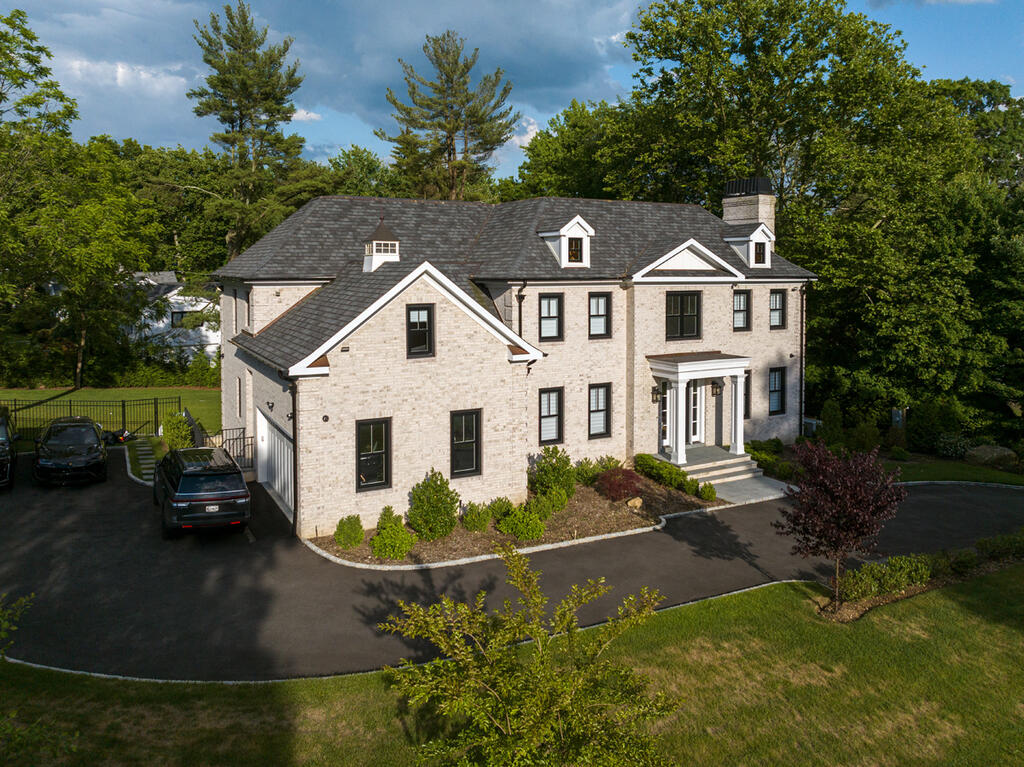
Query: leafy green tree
(250, 94)
(27, 92)
(554, 700)
(358, 171)
(449, 130)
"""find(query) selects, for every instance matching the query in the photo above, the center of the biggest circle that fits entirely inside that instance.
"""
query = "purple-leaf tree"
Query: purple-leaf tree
(839, 504)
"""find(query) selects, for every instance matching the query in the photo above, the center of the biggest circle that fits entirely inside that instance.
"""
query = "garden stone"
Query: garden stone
(992, 455)
(635, 503)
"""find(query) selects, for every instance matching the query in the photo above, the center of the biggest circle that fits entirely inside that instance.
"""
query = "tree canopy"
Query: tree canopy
(28, 94)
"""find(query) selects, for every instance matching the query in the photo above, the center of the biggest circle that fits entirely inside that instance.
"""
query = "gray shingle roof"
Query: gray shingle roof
(467, 241)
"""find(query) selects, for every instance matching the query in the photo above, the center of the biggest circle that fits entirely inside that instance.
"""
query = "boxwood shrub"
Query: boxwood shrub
(392, 540)
(349, 532)
(662, 472)
(553, 468)
(523, 523)
(176, 431)
(500, 508)
(588, 470)
(707, 492)
(433, 507)
(691, 486)
(476, 517)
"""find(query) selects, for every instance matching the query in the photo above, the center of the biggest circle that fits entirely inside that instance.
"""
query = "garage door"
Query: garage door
(274, 464)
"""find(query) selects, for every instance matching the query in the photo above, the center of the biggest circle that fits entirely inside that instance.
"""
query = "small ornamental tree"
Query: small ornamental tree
(840, 503)
(523, 684)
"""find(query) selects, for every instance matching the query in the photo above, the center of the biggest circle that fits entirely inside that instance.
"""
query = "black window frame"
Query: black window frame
(560, 390)
(682, 295)
(607, 314)
(178, 319)
(409, 353)
(760, 253)
(746, 395)
(747, 312)
(782, 309)
(569, 250)
(607, 410)
(477, 413)
(560, 297)
(360, 487)
(782, 390)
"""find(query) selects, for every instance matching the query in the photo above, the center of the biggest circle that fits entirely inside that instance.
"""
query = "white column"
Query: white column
(678, 422)
(736, 443)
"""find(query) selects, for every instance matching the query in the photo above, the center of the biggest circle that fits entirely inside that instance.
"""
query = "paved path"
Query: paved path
(112, 597)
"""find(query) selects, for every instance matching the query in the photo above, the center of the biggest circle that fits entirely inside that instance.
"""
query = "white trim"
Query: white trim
(575, 220)
(701, 250)
(740, 238)
(458, 296)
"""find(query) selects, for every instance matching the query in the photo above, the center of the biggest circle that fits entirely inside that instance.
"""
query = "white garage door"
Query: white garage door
(274, 465)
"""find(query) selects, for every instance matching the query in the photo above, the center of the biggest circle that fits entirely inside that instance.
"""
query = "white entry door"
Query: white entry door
(694, 412)
(274, 461)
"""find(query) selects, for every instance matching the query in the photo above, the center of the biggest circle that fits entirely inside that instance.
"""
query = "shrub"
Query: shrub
(662, 472)
(893, 577)
(963, 561)
(917, 568)
(929, 419)
(831, 430)
(785, 470)
(349, 532)
(553, 468)
(476, 517)
(618, 484)
(899, 454)
(541, 506)
(707, 492)
(433, 507)
(691, 486)
(176, 431)
(896, 436)
(523, 524)
(771, 446)
(393, 540)
(201, 373)
(941, 564)
(558, 500)
(587, 470)
(952, 445)
(864, 436)
(500, 508)
(857, 584)
(1001, 546)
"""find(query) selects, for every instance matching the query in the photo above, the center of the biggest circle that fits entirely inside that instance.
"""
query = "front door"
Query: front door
(694, 412)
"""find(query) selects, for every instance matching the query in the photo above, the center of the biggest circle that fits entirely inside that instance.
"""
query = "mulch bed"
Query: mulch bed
(587, 514)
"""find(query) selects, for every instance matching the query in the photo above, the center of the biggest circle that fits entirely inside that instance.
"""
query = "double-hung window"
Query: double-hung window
(777, 310)
(760, 251)
(550, 316)
(465, 443)
(682, 315)
(373, 454)
(178, 319)
(600, 410)
(419, 330)
(551, 416)
(741, 310)
(575, 250)
(776, 391)
(600, 315)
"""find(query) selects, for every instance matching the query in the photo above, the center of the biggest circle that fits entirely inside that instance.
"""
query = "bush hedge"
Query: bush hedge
(553, 468)
(500, 508)
(476, 517)
(588, 470)
(691, 486)
(392, 540)
(893, 576)
(662, 472)
(433, 507)
(523, 523)
(707, 492)
(176, 431)
(899, 454)
(1009, 546)
(618, 484)
(863, 437)
(349, 532)
(831, 429)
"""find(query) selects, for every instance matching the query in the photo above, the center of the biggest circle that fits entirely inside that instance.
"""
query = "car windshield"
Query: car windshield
(212, 483)
(71, 434)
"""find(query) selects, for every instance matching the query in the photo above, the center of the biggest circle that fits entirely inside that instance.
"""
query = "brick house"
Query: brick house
(368, 340)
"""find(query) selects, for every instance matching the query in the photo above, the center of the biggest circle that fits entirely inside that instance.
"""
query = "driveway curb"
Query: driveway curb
(128, 468)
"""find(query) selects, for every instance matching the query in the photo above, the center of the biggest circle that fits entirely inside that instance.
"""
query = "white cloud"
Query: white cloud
(152, 82)
(304, 115)
(883, 3)
(527, 129)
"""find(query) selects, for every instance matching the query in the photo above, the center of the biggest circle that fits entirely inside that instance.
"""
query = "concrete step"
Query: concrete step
(722, 479)
(719, 471)
(705, 465)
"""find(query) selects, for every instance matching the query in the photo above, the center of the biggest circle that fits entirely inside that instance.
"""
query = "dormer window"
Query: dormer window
(760, 257)
(751, 242)
(381, 247)
(570, 244)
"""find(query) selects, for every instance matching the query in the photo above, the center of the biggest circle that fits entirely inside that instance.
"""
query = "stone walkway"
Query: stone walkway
(751, 490)
(147, 461)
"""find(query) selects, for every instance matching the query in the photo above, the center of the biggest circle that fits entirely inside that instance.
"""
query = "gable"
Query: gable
(688, 260)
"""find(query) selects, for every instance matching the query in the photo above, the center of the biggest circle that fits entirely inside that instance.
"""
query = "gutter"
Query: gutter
(293, 388)
(803, 354)
(520, 298)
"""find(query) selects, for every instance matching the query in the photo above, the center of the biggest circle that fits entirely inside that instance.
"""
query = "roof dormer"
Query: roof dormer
(571, 244)
(752, 242)
(381, 247)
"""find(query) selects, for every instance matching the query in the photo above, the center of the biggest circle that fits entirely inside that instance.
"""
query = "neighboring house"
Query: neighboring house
(372, 339)
(169, 331)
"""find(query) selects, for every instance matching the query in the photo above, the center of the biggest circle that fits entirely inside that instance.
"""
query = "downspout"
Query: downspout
(520, 297)
(293, 388)
(803, 355)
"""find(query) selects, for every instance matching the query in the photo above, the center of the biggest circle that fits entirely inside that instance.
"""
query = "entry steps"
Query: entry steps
(718, 466)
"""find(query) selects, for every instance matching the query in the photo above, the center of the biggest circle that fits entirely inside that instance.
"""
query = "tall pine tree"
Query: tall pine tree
(449, 130)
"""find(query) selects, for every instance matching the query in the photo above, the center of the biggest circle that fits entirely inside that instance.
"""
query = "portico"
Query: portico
(682, 380)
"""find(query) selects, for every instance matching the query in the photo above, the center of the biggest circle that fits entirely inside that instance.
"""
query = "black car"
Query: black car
(200, 487)
(8, 451)
(70, 450)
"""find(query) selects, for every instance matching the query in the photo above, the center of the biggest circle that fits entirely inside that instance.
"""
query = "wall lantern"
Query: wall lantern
(270, 405)
(716, 388)
(655, 394)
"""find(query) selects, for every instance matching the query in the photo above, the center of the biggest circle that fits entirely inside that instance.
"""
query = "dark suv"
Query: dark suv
(8, 451)
(200, 487)
(70, 450)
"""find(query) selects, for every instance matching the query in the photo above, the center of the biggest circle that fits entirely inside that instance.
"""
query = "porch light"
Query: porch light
(716, 388)
(655, 394)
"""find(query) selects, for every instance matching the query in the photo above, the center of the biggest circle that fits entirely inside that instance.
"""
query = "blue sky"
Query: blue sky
(130, 62)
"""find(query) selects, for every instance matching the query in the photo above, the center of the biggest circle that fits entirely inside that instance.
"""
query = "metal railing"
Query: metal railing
(135, 415)
(239, 446)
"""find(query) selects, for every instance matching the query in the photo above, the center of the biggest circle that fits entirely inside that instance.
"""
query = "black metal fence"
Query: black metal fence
(239, 446)
(135, 415)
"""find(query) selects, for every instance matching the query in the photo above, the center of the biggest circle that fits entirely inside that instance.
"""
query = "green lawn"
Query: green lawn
(922, 469)
(933, 680)
(204, 404)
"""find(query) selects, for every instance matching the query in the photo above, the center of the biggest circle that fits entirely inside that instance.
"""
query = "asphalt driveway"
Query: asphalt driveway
(112, 597)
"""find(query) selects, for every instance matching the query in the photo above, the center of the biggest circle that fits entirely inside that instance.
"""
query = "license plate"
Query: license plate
(212, 508)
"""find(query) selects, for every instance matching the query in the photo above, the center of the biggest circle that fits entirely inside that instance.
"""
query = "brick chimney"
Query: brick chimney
(749, 201)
